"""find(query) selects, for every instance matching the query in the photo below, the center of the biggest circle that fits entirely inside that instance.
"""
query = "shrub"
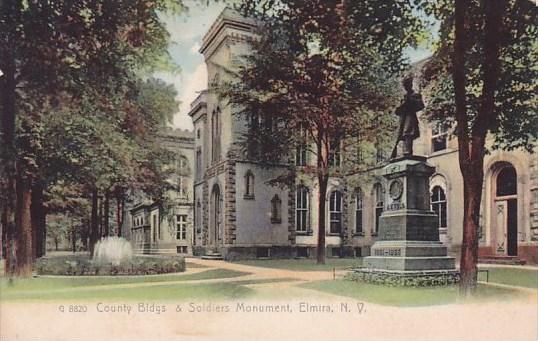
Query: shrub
(83, 266)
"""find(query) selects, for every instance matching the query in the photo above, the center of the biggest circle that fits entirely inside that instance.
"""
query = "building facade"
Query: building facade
(238, 214)
(154, 229)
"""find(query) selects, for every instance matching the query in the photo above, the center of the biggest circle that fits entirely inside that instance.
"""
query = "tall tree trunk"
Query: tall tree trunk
(106, 215)
(94, 221)
(101, 221)
(39, 219)
(23, 220)
(472, 150)
(472, 187)
(323, 180)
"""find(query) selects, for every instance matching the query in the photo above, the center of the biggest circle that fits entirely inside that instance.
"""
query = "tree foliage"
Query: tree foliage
(321, 75)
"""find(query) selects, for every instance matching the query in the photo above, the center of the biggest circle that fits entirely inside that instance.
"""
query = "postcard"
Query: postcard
(268, 170)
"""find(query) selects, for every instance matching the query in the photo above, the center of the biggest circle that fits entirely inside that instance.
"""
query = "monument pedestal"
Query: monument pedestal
(408, 251)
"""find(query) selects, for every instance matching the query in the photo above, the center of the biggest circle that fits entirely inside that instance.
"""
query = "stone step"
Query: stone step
(213, 256)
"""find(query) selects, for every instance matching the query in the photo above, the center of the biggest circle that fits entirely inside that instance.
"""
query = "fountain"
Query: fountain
(112, 250)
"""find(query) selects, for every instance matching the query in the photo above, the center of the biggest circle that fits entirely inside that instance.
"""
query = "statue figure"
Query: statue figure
(407, 111)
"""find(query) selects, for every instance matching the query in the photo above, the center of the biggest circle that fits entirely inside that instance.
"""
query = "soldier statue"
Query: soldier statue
(407, 112)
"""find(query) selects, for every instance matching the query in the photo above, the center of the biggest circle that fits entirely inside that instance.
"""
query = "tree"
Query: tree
(321, 74)
(57, 53)
(482, 77)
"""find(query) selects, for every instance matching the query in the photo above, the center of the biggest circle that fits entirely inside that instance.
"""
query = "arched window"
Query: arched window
(276, 210)
(302, 209)
(358, 211)
(507, 182)
(379, 203)
(249, 185)
(335, 212)
(215, 135)
(438, 203)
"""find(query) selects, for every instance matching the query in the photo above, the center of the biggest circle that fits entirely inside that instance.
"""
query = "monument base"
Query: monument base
(403, 255)
(406, 278)
(408, 251)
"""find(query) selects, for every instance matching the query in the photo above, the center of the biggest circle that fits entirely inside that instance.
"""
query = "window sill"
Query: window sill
(374, 234)
(358, 234)
(334, 234)
(304, 233)
(248, 197)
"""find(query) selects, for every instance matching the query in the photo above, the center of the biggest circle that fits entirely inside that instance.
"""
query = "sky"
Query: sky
(186, 32)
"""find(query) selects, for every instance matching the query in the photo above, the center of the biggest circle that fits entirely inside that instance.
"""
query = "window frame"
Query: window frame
(379, 193)
(335, 210)
(442, 205)
(302, 212)
(439, 134)
(249, 185)
(359, 210)
(276, 210)
(181, 227)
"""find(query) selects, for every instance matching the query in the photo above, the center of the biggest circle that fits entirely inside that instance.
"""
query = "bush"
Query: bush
(83, 266)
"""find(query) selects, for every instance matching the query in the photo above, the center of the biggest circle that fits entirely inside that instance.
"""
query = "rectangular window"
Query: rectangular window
(439, 137)
(300, 155)
(181, 227)
(379, 204)
(334, 153)
(358, 214)
(181, 249)
(335, 213)
(301, 210)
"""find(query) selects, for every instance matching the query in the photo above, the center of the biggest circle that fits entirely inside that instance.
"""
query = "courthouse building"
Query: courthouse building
(156, 228)
(239, 215)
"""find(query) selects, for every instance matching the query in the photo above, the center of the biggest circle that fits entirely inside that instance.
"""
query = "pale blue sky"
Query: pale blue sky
(186, 32)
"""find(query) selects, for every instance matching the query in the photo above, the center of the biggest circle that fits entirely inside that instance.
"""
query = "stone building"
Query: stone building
(155, 229)
(238, 215)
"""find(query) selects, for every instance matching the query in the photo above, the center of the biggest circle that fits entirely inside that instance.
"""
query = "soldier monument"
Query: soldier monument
(408, 251)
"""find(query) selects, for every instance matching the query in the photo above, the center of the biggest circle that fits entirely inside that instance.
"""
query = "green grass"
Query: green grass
(58, 282)
(166, 292)
(511, 276)
(305, 264)
(408, 296)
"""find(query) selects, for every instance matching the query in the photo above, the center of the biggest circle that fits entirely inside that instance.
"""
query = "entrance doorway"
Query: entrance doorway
(506, 231)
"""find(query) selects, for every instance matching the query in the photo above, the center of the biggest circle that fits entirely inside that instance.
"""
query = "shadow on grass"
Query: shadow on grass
(162, 292)
(409, 296)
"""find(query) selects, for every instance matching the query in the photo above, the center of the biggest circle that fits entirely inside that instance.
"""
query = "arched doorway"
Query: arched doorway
(505, 229)
(215, 231)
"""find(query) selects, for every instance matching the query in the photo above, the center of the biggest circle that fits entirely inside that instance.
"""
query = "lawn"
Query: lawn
(177, 292)
(511, 276)
(408, 296)
(305, 264)
(56, 283)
